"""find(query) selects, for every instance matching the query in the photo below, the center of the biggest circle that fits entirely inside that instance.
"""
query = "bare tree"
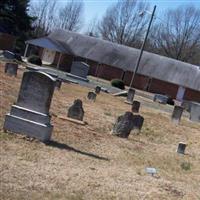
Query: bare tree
(70, 16)
(122, 23)
(179, 36)
(45, 12)
(92, 28)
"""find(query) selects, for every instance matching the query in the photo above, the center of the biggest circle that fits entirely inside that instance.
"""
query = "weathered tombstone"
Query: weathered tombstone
(151, 170)
(138, 123)
(91, 96)
(177, 113)
(80, 69)
(135, 106)
(123, 125)
(76, 110)
(160, 98)
(30, 115)
(97, 89)
(195, 111)
(58, 84)
(181, 148)
(11, 69)
(130, 95)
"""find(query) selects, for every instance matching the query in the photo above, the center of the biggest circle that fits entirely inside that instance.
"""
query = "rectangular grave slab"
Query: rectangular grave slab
(195, 111)
(79, 69)
(30, 115)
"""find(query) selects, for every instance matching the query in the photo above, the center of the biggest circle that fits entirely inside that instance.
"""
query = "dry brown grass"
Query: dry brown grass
(86, 162)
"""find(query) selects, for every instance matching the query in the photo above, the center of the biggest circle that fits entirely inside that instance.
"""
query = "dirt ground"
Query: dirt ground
(87, 162)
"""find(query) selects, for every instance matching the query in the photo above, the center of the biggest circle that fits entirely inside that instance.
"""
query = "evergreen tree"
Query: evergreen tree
(14, 19)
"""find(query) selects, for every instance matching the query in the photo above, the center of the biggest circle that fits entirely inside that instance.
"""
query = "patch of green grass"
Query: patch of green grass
(185, 166)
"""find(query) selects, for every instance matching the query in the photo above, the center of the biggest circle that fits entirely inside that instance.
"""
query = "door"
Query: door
(48, 56)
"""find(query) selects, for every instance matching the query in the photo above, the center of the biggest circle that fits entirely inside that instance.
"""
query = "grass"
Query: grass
(86, 162)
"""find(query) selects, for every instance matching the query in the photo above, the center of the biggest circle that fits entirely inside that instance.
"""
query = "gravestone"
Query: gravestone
(30, 115)
(91, 96)
(177, 113)
(135, 106)
(181, 148)
(11, 69)
(80, 69)
(76, 110)
(151, 170)
(162, 99)
(137, 123)
(130, 95)
(97, 89)
(123, 125)
(195, 111)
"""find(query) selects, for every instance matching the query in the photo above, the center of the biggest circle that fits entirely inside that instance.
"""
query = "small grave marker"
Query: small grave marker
(151, 170)
(91, 96)
(11, 69)
(181, 148)
(130, 96)
(135, 106)
(123, 125)
(177, 113)
(76, 110)
(97, 89)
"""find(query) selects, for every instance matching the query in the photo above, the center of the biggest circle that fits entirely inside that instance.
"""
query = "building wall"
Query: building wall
(7, 41)
(140, 82)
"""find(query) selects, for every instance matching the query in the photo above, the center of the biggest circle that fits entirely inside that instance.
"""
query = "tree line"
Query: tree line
(176, 34)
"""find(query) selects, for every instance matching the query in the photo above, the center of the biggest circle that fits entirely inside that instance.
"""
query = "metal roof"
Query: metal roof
(123, 57)
(47, 43)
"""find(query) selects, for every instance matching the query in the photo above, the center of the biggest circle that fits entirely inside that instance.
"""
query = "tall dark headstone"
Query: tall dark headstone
(76, 110)
(30, 115)
(135, 106)
(181, 148)
(97, 89)
(130, 95)
(11, 69)
(195, 111)
(177, 113)
(138, 123)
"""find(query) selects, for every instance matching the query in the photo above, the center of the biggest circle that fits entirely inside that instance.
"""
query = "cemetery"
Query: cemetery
(122, 148)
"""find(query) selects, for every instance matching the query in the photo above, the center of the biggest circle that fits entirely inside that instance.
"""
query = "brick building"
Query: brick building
(107, 60)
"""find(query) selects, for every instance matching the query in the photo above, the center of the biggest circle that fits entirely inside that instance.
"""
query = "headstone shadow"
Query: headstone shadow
(59, 145)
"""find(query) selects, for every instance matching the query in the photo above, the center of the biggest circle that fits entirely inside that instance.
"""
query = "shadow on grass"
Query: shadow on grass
(66, 147)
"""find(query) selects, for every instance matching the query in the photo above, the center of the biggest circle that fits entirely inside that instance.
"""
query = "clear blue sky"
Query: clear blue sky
(98, 7)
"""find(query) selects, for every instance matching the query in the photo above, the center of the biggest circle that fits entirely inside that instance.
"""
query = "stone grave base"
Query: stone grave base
(72, 120)
(128, 102)
(33, 124)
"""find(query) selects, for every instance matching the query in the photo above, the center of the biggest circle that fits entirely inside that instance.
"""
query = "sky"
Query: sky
(96, 8)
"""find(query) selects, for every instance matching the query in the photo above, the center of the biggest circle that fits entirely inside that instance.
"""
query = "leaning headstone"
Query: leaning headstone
(195, 111)
(30, 115)
(11, 69)
(130, 96)
(177, 113)
(123, 125)
(135, 106)
(138, 123)
(91, 96)
(181, 148)
(76, 110)
(97, 89)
